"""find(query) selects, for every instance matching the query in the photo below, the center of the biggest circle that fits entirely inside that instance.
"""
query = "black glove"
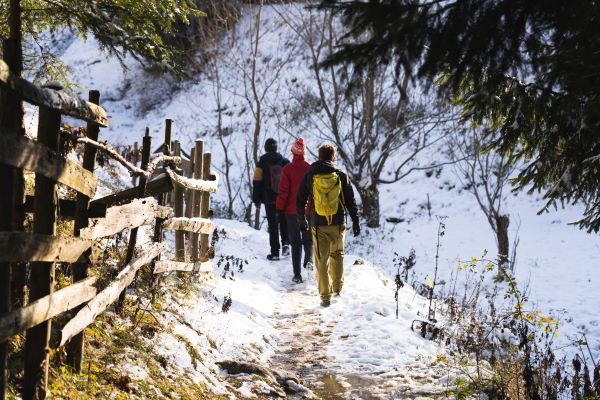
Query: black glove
(303, 224)
(355, 228)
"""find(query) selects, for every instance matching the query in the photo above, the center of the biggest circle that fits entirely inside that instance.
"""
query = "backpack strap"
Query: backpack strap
(313, 212)
(342, 199)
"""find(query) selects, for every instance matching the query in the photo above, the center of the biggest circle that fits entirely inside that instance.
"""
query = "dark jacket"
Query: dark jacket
(305, 192)
(291, 177)
(261, 183)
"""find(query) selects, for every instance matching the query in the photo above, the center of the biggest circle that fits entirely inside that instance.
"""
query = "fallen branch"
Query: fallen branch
(135, 171)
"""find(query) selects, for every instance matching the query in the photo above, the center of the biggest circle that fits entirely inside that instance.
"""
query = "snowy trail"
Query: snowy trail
(302, 349)
(355, 349)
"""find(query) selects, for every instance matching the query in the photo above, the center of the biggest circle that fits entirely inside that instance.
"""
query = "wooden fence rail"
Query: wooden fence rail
(47, 307)
(131, 215)
(109, 295)
(57, 100)
(25, 246)
(41, 249)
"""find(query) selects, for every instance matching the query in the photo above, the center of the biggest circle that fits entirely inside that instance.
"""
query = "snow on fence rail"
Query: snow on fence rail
(125, 210)
(56, 100)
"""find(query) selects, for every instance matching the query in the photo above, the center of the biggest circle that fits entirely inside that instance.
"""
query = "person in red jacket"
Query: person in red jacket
(290, 179)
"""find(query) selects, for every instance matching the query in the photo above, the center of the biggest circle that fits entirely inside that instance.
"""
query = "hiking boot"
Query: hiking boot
(309, 265)
(285, 250)
(337, 294)
(325, 303)
(273, 257)
(297, 279)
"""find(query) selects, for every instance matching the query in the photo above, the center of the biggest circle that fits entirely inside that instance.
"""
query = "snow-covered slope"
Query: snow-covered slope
(559, 263)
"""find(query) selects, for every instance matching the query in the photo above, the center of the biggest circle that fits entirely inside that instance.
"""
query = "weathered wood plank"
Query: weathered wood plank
(108, 296)
(159, 185)
(47, 307)
(58, 100)
(20, 152)
(41, 274)
(167, 266)
(25, 246)
(196, 225)
(66, 208)
(195, 184)
(137, 213)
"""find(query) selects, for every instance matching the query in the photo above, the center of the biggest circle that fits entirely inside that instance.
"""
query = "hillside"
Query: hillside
(357, 344)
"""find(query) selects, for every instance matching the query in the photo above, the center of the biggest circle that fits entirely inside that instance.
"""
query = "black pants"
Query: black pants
(276, 228)
(298, 240)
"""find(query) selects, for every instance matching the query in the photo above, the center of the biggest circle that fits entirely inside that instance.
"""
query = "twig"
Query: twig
(589, 350)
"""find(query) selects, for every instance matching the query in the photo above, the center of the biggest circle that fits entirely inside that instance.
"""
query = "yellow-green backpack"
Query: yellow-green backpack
(326, 193)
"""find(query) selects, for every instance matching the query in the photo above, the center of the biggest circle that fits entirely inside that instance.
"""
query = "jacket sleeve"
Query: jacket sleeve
(283, 191)
(303, 195)
(257, 184)
(349, 200)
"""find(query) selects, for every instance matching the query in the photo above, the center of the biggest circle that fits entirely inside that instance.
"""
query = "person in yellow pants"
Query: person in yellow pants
(331, 197)
(329, 259)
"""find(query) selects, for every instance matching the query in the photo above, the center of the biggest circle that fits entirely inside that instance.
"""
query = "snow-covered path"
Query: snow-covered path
(354, 349)
(304, 337)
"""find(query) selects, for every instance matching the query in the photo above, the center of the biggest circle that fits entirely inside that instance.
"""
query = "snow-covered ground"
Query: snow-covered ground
(275, 322)
(557, 262)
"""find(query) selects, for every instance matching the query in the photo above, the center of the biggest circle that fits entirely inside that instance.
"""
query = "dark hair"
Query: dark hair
(270, 145)
(327, 152)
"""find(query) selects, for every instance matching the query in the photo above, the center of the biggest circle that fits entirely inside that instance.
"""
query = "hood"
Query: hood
(272, 157)
(323, 167)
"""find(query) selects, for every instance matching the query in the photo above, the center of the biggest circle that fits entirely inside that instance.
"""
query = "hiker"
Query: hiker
(331, 197)
(291, 176)
(264, 190)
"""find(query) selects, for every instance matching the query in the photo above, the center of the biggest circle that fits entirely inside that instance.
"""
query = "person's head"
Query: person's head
(327, 152)
(299, 147)
(270, 145)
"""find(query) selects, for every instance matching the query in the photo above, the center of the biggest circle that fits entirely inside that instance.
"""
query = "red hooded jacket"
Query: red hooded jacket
(290, 179)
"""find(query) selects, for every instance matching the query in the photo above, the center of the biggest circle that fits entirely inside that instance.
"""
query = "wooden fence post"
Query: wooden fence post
(146, 150)
(12, 275)
(168, 145)
(162, 200)
(41, 280)
(205, 206)
(80, 270)
(189, 204)
(134, 159)
(178, 210)
(136, 156)
(196, 195)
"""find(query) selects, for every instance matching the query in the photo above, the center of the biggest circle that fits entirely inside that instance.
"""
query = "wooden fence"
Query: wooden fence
(40, 249)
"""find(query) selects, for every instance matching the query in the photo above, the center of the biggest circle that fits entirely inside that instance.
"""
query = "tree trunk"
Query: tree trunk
(502, 222)
(370, 205)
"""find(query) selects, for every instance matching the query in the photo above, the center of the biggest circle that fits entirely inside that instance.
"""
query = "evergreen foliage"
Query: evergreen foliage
(140, 28)
(528, 68)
